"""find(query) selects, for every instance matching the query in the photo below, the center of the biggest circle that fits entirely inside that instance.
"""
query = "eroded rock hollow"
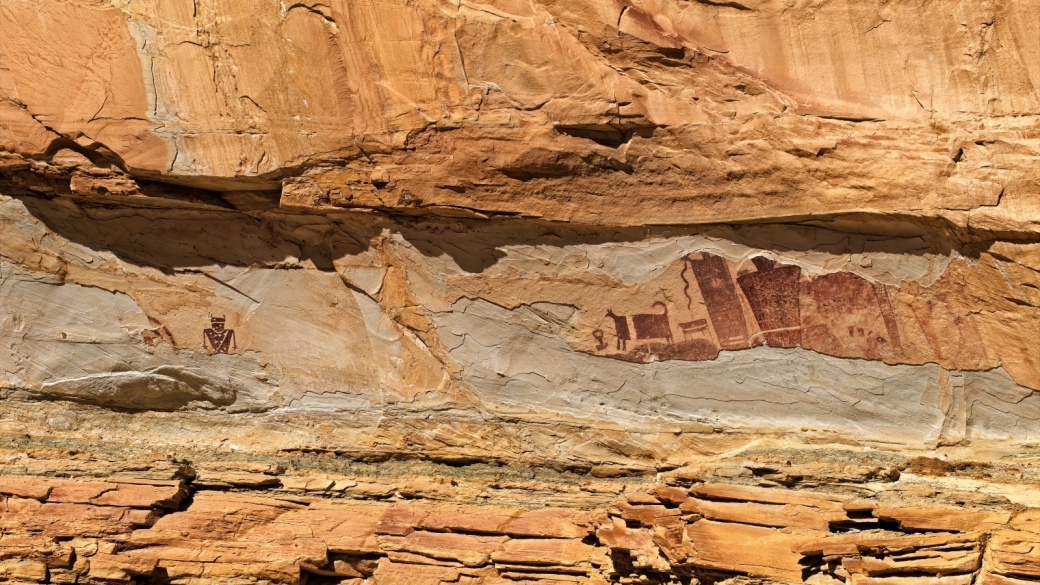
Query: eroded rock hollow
(582, 291)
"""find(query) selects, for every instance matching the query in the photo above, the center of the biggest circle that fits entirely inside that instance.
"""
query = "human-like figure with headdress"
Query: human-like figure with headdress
(219, 338)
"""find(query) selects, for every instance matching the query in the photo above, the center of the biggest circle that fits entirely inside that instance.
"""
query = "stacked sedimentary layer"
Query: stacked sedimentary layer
(594, 241)
(833, 515)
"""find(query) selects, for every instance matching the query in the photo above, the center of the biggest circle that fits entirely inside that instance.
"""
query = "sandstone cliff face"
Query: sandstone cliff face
(661, 112)
(603, 239)
(853, 516)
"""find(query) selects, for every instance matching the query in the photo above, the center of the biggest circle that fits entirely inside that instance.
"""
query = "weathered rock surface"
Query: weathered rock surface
(668, 112)
(873, 338)
(305, 522)
(655, 260)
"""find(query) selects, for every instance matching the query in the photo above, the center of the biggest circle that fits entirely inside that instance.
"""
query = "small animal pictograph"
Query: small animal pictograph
(620, 330)
(692, 329)
(647, 326)
(653, 325)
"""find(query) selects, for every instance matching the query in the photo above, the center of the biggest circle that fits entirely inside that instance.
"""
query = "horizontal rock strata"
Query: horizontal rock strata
(752, 518)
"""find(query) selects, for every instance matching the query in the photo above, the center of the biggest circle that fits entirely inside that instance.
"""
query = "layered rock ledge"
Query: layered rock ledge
(775, 513)
(409, 291)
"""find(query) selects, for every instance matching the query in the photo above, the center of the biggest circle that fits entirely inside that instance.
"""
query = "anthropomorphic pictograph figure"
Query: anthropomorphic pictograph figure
(720, 298)
(773, 293)
(621, 328)
(218, 338)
